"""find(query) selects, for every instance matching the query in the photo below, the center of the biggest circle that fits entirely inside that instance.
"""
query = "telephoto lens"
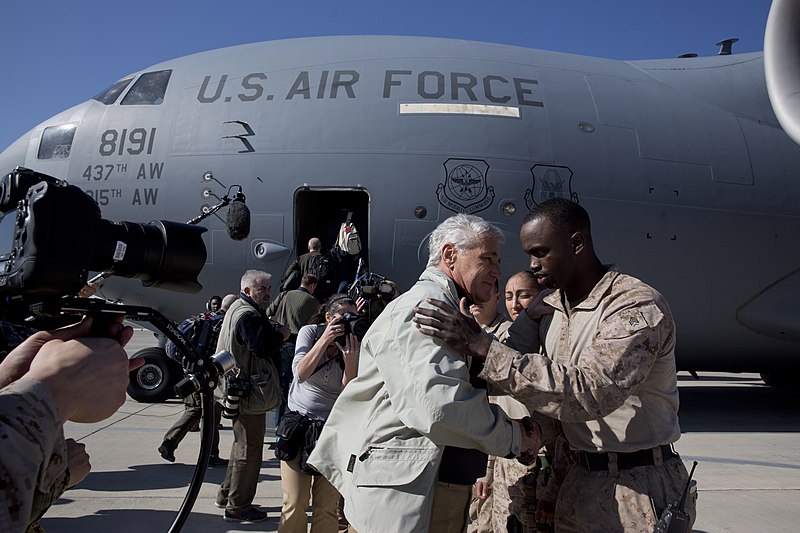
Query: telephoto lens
(230, 407)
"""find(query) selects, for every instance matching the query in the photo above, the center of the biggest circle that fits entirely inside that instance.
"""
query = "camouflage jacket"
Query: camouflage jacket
(33, 455)
(606, 369)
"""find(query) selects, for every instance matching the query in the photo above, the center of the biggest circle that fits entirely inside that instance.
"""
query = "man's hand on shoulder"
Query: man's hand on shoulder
(456, 328)
(531, 440)
(538, 308)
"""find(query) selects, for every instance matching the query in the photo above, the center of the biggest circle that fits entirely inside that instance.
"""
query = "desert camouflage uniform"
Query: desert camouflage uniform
(608, 375)
(492, 514)
(33, 454)
(480, 511)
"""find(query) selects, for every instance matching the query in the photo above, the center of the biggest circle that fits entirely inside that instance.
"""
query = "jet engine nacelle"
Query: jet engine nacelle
(782, 64)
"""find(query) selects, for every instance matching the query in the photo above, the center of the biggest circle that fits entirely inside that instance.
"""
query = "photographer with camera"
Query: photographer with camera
(325, 360)
(50, 378)
(254, 342)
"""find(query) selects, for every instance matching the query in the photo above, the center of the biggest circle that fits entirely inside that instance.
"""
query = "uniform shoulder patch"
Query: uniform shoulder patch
(633, 320)
(628, 322)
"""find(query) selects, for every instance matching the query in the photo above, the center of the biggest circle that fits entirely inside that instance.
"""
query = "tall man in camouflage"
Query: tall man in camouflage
(605, 369)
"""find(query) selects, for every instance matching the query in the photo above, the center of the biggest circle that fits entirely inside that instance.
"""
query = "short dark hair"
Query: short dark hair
(562, 213)
(308, 279)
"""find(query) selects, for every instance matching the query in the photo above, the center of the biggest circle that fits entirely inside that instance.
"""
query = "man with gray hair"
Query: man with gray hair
(400, 442)
(248, 335)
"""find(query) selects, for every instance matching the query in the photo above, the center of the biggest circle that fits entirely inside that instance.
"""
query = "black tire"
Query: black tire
(154, 381)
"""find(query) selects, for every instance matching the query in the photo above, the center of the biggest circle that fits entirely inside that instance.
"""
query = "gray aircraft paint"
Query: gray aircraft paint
(682, 164)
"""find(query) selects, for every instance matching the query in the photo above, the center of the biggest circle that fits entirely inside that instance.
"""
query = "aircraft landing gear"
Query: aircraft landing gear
(154, 381)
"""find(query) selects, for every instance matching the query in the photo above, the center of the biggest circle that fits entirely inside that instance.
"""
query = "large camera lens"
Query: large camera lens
(163, 254)
(57, 236)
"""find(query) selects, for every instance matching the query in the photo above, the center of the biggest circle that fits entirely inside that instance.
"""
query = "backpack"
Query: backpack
(201, 331)
(321, 267)
(349, 240)
(291, 279)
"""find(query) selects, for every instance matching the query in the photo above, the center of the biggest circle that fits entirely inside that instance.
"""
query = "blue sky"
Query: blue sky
(55, 54)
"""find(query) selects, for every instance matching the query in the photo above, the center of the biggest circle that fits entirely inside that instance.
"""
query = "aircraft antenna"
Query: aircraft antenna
(726, 46)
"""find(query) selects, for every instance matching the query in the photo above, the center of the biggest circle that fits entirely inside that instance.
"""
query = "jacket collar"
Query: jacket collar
(436, 275)
(249, 301)
(595, 295)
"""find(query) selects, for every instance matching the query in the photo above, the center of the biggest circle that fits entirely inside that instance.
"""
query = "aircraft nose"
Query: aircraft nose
(14, 155)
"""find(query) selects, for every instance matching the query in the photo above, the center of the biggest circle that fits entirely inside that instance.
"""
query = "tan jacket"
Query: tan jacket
(612, 379)
(383, 442)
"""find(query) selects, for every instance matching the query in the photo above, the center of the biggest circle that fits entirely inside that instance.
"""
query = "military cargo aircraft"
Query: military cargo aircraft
(690, 179)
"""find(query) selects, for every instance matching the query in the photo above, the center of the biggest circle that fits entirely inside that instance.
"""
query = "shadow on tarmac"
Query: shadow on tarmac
(155, 477)
(136, 521)
(745, 407)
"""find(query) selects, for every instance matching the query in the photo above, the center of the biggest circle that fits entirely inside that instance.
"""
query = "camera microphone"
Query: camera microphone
(237, 220)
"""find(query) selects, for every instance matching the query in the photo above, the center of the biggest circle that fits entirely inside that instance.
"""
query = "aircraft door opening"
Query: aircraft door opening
(320, 213)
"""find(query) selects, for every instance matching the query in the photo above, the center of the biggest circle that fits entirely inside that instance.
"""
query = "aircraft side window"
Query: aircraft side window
(56, 142)
(109, 95)
(149, 89)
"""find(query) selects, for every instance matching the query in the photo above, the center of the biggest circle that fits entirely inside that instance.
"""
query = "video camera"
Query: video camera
(375, 289)
(52, 235)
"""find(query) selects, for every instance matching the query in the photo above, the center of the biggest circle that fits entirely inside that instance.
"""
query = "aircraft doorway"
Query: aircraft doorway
(320, 213)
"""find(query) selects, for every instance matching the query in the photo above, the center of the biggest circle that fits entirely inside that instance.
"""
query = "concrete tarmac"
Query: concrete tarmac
(744, 435)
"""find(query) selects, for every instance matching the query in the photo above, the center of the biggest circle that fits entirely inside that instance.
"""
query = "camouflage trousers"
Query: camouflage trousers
(492, 515)
(624, 501)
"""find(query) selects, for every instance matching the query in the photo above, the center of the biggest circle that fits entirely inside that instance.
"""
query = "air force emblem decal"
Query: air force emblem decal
(465, 189)
(549, 181)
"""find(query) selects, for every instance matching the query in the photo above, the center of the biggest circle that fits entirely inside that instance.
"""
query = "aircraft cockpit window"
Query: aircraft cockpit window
(110, 95)
(56, 142)
(149, 89)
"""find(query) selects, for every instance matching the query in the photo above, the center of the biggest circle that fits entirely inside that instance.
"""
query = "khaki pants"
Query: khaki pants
(192, 414)
(241, 477)
(298, 487)
(450, 511)
(450, 508)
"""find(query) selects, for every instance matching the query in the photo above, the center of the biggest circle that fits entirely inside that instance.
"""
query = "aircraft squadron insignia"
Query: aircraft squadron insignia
(465, 189)
(549, 181)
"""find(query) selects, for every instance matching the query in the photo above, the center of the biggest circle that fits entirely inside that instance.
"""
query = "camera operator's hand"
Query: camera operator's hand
(86, 376)
(456, 328)
(360, 303)
(284, 331)
(333, 330)
(77, 462)
(18, 361)
(350, 352)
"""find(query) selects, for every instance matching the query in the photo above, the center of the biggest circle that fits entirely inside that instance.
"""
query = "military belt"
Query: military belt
(625, 461)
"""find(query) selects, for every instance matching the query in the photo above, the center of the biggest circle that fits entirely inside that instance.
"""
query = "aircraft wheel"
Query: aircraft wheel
(779, 379)
(154, 381)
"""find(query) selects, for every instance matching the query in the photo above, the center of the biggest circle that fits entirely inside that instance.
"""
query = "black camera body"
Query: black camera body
(52, 235)
(357, 324)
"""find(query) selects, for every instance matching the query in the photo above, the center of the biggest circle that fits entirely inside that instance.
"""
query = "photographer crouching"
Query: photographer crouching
(326, 359)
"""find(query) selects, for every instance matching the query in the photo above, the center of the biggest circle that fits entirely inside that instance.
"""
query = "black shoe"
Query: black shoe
(167, 452)
(251, 516)
(217, 462)
(221, 504)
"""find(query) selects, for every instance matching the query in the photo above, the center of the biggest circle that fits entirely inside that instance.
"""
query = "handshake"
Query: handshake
(531, 440)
